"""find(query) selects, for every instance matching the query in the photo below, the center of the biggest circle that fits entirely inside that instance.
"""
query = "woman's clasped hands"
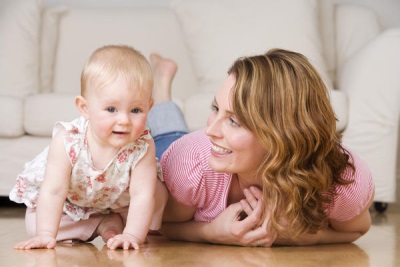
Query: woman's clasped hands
(231, 228)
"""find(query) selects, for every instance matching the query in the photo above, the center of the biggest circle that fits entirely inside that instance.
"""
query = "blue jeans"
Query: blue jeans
(167, 124)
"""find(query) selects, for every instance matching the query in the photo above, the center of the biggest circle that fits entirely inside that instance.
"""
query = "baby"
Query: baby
(99, 173)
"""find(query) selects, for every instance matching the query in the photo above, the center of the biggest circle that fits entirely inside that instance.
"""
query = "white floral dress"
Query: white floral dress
(90, 190)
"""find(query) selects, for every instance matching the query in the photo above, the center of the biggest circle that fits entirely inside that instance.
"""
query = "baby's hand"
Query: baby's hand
(125, 241)
(40, 241)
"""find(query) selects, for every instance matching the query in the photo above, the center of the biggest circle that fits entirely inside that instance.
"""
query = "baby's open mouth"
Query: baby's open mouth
(120, 133)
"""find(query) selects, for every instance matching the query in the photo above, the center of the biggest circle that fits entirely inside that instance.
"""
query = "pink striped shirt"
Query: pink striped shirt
(192, 182)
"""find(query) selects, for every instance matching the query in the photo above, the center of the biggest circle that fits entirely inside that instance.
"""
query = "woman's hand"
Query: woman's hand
(228, 228)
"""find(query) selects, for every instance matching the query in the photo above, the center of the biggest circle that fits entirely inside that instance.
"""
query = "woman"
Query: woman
(269, 169)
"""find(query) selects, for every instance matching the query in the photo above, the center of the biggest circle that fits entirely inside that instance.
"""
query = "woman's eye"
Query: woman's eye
(111, 109)
(135, 110)
(233, 122)
(214, 108)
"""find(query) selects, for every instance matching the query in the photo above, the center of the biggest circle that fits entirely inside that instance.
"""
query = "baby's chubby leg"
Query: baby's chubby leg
(69, 230)
(110, 226)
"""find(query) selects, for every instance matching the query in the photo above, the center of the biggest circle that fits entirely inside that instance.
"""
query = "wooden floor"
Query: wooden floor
(379, 247)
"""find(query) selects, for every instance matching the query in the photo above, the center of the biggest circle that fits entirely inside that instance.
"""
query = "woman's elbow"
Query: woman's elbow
(359, 225)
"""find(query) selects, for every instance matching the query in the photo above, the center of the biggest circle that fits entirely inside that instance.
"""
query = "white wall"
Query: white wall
(108, 3)
(388, 11)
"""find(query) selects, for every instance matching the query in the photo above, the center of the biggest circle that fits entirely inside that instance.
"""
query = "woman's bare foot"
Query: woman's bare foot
(110, 226)
(164, 71)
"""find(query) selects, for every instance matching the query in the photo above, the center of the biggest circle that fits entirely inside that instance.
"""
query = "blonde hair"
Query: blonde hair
(107, 62)
(282, 100)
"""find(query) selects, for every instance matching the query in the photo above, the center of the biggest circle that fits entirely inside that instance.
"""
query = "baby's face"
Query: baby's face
(118, 113)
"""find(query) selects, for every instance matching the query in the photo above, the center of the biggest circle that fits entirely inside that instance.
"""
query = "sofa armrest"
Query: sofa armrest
(371, 81)
(11, 110)
(339, 103)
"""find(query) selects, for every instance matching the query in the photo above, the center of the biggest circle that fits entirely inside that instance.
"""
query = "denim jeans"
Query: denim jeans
(167, 124)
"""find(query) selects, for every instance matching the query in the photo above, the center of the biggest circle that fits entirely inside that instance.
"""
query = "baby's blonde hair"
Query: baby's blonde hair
(109, 61)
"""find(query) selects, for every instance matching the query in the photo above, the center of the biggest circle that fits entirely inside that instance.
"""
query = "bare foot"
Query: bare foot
(110, 226)
(164, 71)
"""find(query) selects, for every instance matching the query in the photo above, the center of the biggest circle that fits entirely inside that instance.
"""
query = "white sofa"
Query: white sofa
(42, 51)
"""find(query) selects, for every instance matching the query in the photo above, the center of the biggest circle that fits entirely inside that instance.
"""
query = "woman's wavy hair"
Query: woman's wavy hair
(280, 97)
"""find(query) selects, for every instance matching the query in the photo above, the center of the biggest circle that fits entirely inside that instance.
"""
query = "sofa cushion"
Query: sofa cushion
(149, 30)
(49, 37)
(11, 110)
(197, 109)
(42, 111)
(356, 26)
(327, 31)
(19, 35)
(219, 31)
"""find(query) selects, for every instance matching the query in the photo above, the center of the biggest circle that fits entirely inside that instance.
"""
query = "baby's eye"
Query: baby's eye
(111, 109)
(136, 110)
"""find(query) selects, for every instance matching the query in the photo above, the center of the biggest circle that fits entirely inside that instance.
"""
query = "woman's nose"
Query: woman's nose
(213, 126)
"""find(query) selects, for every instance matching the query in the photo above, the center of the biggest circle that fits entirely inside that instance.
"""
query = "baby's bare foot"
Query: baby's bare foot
(164, 71)
(110, 226)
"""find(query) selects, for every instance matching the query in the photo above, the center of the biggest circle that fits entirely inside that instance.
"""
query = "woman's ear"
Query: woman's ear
(81, 105)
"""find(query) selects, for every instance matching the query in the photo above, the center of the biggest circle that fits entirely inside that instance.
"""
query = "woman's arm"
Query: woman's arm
(229, 229)
(361, 223)
(335, 232)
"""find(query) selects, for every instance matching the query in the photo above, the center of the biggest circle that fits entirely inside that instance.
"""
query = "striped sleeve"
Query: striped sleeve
(352, 199)
(182, 168)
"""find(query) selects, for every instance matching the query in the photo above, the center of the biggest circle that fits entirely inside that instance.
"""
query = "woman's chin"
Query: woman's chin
(217, 164)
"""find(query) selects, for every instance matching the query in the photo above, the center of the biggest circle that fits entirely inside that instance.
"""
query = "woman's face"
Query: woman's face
(234, 149)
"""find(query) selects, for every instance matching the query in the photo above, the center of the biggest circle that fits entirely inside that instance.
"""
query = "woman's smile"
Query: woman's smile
(220, 150)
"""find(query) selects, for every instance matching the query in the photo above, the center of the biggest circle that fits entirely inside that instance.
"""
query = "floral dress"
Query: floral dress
(90, 190)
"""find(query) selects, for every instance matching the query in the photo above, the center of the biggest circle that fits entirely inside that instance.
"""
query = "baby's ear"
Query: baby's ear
(151, 103)
(81, 105)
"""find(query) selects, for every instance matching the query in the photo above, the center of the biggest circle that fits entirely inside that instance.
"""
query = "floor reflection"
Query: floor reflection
(379, 247)
(160, 252)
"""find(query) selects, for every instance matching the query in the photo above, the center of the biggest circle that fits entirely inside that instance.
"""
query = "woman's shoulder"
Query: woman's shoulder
(187, 173)
(195, 144)
(197, 138)
(361, 170)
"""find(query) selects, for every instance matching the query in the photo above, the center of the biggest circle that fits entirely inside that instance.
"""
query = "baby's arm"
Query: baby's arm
(141, 208)
(53, 193)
